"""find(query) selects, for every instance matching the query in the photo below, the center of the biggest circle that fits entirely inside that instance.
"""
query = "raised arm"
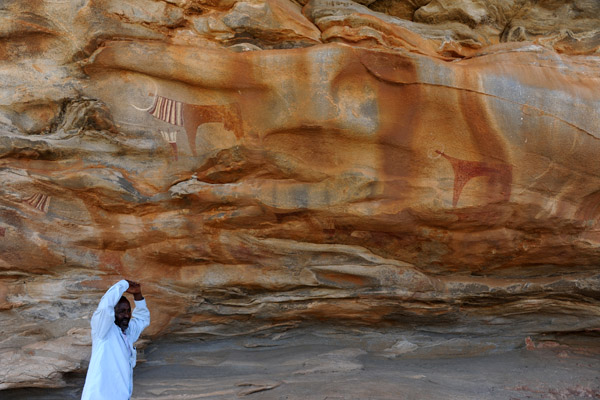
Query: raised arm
(141, 315)
(104, 316)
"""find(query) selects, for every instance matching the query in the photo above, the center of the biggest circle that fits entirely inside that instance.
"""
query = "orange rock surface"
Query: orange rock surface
(260, 164)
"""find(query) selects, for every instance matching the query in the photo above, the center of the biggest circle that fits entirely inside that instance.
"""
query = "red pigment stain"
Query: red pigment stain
(174, 150)
(112, 261)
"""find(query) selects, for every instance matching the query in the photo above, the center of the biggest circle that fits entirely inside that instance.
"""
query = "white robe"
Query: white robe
(110, 373)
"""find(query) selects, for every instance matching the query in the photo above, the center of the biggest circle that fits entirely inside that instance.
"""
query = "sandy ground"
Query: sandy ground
(359, 366)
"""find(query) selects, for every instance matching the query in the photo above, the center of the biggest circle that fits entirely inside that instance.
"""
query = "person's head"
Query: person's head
(122, 313)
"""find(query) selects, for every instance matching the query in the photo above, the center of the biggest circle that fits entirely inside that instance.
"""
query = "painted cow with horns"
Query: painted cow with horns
(191, 116)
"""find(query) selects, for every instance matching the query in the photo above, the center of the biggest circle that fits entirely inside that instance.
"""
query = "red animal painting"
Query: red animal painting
(39, 201)
(499, 175)
(191, 116)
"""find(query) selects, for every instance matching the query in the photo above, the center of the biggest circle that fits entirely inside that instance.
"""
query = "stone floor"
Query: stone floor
(359, 365)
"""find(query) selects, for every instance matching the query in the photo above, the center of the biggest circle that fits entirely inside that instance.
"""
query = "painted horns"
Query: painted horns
(153, 99)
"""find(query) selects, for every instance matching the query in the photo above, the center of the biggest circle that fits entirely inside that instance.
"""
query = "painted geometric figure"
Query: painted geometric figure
(171, 138)
(191, 116)
(170, 111)
(39, 201)
(464, 171)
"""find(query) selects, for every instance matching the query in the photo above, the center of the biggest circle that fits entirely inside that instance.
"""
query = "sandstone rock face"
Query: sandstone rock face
(265, 164)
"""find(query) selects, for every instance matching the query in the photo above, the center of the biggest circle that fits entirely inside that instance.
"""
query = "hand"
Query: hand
(135, 289)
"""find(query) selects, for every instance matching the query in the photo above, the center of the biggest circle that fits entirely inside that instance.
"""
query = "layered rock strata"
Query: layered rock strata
(420, 165)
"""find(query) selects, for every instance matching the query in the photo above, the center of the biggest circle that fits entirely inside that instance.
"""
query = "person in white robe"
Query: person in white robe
(114, 331)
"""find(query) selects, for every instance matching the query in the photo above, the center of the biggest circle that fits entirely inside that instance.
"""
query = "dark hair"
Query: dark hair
(123, 299)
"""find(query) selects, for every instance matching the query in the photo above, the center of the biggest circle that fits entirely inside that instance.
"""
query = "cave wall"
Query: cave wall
(266, 164)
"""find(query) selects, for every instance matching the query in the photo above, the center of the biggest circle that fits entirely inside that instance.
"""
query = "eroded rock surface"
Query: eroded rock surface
(260, 165)
(319, 363)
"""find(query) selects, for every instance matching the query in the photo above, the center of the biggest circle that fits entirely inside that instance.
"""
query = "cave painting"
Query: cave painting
(39, 201)
(2, 232)
(171, 138)
(191, 116)
(499, 174)
(589, 208)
